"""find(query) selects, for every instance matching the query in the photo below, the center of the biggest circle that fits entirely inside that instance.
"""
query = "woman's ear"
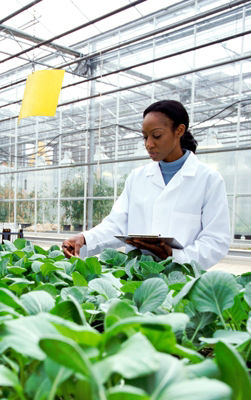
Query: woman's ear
(180, 130)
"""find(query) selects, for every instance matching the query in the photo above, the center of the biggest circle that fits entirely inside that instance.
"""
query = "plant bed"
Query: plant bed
(123, 326)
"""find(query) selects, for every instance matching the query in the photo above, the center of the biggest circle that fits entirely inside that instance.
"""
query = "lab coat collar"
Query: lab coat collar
(188, 169)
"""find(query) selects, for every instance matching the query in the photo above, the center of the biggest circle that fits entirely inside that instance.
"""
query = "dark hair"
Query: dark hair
(177, 113)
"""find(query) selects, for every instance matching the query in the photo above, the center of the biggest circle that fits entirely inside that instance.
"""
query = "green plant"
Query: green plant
(121, 326)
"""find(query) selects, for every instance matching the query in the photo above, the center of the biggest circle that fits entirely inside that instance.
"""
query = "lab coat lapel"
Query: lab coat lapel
(188, 169)
(154, 174)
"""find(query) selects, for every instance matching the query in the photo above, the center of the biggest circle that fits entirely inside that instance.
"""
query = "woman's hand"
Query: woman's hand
(160, 248)
(71, 247)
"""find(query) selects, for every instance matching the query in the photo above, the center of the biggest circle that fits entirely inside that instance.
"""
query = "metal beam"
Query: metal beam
(134, 73)
(121, 160)
(19, 11)
(49, 41)
(39, 41)
(186, 21)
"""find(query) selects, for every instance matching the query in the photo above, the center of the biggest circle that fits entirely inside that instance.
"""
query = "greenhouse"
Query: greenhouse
(123, 323)
(67, 170)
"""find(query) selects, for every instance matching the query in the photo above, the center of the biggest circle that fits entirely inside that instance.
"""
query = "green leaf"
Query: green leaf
(131, 286)
(207, 368)
(7, 312)
(89, 266)
(47, 287)
(233, 370)
(151, 267)
(104, 287)
(119, 309)
(126, 392)
(93, 265)
(226, 336)
(214, 292)
(37, 301)
(249, 325)
(39, 256)
(7, 377)
(9, 246)
(197, 389)
(129, 362)
(247, 294)
(80, 293)
(19, 243)
(66, 352)
(170, 370)
(80, 334)
(47, 268)
(63, 275)
(239, 312)
(66, 266)
(57, 375)
(54, 247)
(69, 310)
(19, 284)
(173, 321)
(131, 265)
(56, 254)
(8, 298)
(184, 291)
(113, 257)
(40, 250)
(3, 266)
(38, 385)
(16, 270)
(118, 273)
(78, 279)
(244, 279)
(150, 295)
(176, 280)
(22, 335)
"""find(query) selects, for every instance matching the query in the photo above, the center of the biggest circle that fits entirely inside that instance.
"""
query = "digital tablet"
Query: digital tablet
(152, 239)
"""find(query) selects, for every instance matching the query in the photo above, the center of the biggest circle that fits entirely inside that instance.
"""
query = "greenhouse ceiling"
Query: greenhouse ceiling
(118, 57)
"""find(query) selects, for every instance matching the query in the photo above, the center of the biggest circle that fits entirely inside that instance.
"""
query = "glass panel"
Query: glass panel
(6, 211)
(224, 163)
(26, 185)
(25, 213)
(101, 209)
(6, 185)
(230, 206)
(243, 217)
(72, 212)
(123, 170)
(73, 182)
(47, 184)
(244, 172)
(47, 215)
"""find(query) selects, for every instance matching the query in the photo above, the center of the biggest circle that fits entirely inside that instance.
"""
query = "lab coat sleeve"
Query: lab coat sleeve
(102, 235)
(213, 241)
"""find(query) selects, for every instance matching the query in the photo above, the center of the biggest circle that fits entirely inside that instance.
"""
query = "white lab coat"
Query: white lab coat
(192, 208)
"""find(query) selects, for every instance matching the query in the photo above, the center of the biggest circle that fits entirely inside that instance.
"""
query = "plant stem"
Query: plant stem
(222, 321)
(195, 332)
(19, 391)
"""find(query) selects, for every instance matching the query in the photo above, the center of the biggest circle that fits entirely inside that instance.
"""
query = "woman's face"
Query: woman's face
(162, 141)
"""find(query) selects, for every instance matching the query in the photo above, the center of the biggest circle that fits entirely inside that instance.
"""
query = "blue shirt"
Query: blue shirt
(169, 169)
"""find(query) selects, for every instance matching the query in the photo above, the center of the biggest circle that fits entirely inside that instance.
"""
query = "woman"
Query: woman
(175, 195)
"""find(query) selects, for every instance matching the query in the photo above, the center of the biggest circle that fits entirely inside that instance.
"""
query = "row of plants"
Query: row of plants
(120, 327)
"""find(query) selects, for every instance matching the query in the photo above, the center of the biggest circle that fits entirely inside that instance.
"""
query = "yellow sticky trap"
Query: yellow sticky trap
(41, 93)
